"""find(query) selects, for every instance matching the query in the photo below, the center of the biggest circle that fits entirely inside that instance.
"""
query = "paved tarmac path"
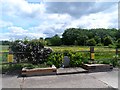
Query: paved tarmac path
(82, 80)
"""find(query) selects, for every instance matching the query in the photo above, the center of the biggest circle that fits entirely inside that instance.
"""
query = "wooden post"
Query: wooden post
(10, 57)
(92, 55)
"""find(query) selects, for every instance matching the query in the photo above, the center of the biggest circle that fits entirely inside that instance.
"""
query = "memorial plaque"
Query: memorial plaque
(66, 61)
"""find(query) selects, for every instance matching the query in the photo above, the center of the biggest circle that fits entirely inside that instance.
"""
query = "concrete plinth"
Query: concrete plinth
(39, 71)
(97, 67)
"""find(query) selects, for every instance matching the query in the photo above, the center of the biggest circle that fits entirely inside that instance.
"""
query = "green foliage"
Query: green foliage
(76, 58)
(15, 67)
(98, 40)
(111, 46)
(55, 59)
(5, 42)
(77, 36)
(70, 35)
(55, 41)
(118, 43)
(105, 61)
(30, 51)
(99, 44)
(117, 34)
(91, 42)
(107, 41)
(115, 60)
(7, 67)
(81, 40)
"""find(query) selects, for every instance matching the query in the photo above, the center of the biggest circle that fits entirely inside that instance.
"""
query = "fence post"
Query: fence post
(92, 53)
(10, 57)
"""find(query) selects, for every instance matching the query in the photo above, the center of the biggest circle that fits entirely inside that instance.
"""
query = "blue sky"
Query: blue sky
(21, 18)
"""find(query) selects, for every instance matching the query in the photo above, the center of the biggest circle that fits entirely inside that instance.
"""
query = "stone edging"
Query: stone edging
(39, 71)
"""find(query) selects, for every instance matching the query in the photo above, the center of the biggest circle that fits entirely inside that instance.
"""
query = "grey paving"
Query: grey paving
(64, 81)
(110, 77)
(82, 80)
(70, 70)
(9, 81)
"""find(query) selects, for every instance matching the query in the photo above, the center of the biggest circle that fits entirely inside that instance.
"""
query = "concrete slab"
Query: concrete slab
(97, 67)
(110, 78)
(81, 70)
(61, 70)
(9, 81)
(64, 81)
(70, 70)
(84, 80)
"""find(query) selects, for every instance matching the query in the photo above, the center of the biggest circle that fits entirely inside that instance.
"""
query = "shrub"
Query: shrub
(30, 51)
(55, 58)
(91, 42)
(118, 43)
(56, 41)
(111, 46)
(7, 67)
(76, 60)
(115, 61)
(99, 44)
(107, 41)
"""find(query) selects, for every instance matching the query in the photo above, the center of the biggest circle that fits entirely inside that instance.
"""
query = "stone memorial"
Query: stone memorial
(66, 61)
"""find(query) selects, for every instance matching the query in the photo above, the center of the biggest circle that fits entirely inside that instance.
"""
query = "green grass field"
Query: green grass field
(4, 48)
(100, 52)
(3, 52)
(81, 48)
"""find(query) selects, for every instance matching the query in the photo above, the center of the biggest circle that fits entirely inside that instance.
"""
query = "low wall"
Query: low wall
(39, 71)
(97, 67)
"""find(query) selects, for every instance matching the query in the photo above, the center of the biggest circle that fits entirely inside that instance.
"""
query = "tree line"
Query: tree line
(87, 37)
(83, 37)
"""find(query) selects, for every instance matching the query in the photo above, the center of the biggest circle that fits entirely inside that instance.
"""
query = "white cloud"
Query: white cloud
(5, 24)
(22, 8)
(4, 37)
(97, 20)
(17, 30)
(22, 19)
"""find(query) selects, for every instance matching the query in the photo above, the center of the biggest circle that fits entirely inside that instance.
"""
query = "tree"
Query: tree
(70, 36)
(81, 40)
(5, 42)
(107, 41)
(91, 42)
(97, 39)
(56, 40)
(117, 35)
(118, 43)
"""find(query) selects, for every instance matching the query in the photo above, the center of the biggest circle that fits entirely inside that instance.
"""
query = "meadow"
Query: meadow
(3, 52)
(101, 52)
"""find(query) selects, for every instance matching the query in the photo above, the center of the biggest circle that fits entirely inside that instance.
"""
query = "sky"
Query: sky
(27, 18)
